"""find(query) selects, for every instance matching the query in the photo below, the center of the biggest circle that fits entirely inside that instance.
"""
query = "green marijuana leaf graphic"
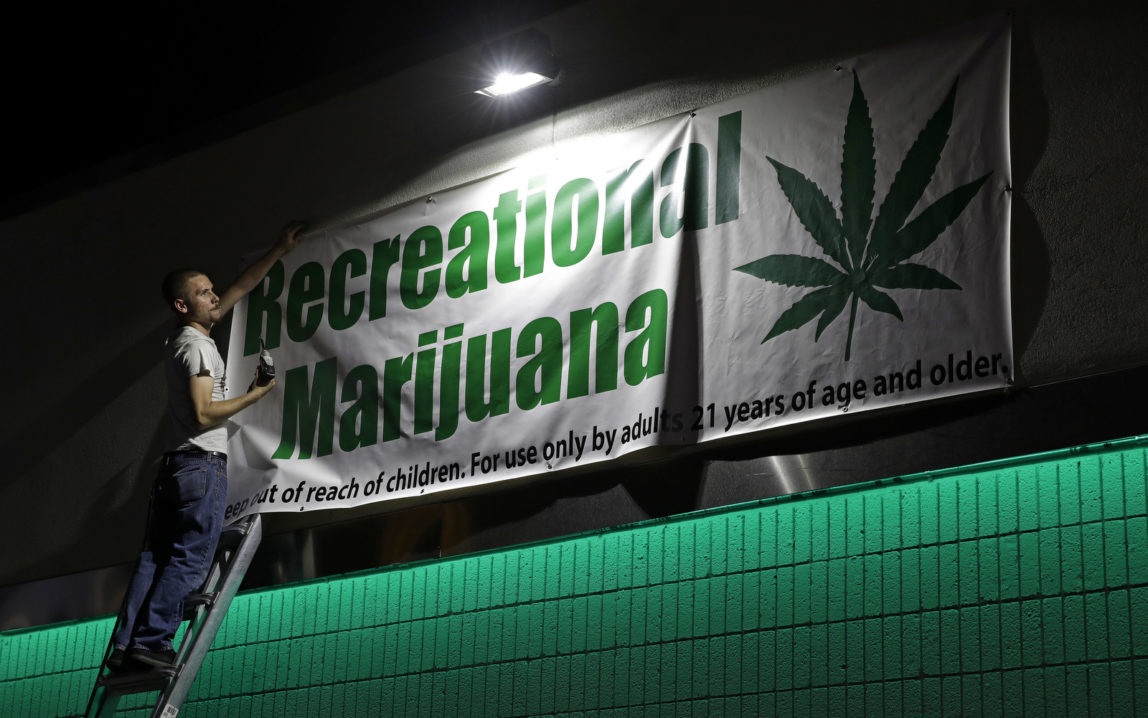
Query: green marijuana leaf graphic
(862, 262)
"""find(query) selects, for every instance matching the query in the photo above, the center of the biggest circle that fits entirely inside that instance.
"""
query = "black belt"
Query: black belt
(196, 452)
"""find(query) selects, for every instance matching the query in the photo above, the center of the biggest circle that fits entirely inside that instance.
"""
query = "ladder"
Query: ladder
(204, 611)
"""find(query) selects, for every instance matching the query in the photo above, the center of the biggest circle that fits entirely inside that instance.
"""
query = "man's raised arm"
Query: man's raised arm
(254, 274)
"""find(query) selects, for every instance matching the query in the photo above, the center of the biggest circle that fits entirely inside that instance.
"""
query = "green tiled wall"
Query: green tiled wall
(1017, 587)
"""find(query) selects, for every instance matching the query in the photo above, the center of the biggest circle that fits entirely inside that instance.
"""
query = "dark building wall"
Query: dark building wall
(81, 426)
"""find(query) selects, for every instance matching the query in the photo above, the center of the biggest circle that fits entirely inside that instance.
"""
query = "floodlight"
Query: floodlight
(516, 63)
(507, 82)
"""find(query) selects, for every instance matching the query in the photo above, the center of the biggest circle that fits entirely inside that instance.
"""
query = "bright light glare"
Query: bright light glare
(506, 83)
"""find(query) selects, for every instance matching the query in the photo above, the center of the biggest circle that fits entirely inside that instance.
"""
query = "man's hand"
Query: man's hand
(290, 236)
(256, 385)
(259, 391)
(254, 274)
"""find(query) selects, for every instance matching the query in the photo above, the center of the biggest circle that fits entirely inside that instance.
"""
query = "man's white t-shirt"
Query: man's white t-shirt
(188, 353)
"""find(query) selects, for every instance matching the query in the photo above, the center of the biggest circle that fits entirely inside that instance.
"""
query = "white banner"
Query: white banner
(836, 243)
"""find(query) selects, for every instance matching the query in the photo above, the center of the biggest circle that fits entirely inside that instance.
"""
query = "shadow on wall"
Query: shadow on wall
(1029, 251)
(517, 512)
(64, 598)
(84, 470)
(40, 438)
(103, 527)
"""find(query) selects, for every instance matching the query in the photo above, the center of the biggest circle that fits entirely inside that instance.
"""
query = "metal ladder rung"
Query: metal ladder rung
(193, 602)
(140, 681)
(232, 534)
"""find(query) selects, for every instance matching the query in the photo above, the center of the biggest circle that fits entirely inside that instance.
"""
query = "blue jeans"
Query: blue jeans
(184, 522)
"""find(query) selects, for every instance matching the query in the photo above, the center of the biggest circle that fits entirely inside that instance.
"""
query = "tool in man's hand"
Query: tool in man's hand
(266, 371)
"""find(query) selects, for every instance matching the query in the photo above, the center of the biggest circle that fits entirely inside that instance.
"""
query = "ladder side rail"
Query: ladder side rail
(174, 695)
(102, 702)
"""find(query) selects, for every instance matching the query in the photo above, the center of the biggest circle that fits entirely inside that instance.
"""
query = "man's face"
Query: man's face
(199, 303)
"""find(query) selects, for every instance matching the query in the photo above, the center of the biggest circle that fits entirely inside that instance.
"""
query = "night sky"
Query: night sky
(92, 82)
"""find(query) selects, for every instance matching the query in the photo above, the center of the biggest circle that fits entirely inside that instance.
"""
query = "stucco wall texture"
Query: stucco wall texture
(1015, 587)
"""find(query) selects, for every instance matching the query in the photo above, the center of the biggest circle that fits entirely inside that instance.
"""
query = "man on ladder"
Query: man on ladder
(190, 490)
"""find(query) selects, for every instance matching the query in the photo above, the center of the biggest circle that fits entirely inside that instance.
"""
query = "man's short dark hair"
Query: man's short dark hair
(175, 285)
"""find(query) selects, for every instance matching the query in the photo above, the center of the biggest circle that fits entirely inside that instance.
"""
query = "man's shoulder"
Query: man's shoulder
(183, 338)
